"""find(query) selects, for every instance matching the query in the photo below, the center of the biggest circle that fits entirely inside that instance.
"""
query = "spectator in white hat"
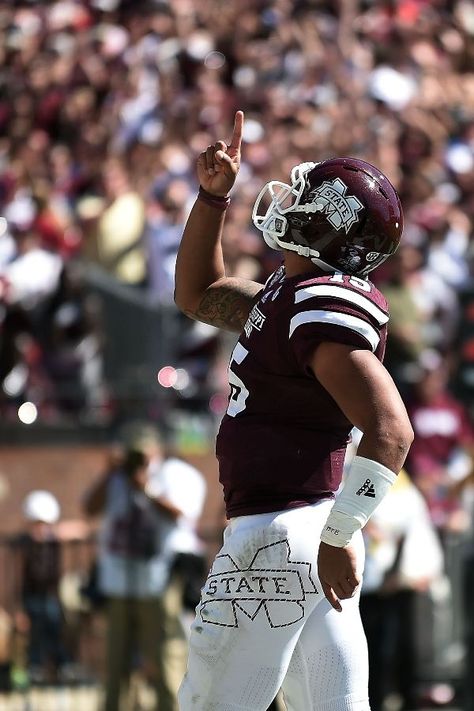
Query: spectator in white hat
(38, 549)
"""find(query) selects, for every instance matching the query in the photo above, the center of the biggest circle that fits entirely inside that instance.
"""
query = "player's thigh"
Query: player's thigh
(259, 594)
(329, 666)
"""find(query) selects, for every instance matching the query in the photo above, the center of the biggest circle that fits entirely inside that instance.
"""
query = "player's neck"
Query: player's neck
(295, 264)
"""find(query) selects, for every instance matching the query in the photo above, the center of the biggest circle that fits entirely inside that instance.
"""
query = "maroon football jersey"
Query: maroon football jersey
(282, 442)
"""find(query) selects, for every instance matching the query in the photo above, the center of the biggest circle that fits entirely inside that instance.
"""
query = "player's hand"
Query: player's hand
(218, 165)
(337, 570)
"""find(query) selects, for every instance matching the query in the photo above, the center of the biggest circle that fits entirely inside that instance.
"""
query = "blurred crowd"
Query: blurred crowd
(104, 106)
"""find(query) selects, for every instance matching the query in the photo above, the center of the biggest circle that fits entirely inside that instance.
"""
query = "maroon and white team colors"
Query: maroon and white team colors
(282, 441)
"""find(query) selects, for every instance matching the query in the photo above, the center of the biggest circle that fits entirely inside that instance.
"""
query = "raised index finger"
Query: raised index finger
(238, 127)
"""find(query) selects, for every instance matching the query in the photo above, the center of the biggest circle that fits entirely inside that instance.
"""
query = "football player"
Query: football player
(280, 605)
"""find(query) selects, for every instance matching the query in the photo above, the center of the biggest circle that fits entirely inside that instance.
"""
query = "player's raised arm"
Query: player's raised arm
(202, 289)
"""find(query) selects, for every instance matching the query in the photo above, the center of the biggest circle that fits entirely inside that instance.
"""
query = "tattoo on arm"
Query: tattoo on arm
(227, 305)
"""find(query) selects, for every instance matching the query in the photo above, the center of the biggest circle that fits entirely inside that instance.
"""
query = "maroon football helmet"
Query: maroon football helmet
(343, 213)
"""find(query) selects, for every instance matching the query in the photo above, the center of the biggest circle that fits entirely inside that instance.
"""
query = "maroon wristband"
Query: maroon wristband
(219, 202)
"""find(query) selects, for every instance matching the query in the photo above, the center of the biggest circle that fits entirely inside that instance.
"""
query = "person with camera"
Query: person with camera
(143, 499)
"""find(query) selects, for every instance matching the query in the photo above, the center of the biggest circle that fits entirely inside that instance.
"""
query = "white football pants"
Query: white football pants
(263, 623)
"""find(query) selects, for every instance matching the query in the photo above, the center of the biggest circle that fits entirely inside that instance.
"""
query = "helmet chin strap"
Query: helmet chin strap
(299, 249)
(314, 206)
(303, 251)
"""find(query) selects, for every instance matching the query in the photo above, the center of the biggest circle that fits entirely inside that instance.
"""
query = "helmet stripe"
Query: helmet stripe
(345, 294)
(337, 319)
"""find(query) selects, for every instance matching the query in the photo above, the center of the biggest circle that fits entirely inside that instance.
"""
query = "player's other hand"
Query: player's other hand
(337, 570)
(218, 165)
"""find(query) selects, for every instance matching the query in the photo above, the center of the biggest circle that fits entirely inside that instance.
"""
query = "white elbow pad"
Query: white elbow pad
(366, 485)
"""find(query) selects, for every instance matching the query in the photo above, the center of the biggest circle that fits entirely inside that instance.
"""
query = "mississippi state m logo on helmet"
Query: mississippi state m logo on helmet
(340, 209)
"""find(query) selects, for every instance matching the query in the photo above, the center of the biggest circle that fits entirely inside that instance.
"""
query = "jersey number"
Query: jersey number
(238, 392)
(361, 284)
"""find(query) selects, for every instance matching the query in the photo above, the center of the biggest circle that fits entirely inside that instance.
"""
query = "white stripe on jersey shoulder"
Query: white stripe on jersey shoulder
(340, 292)
(337, 319)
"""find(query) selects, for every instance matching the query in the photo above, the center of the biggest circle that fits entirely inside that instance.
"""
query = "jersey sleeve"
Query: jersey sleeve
(337, 312)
